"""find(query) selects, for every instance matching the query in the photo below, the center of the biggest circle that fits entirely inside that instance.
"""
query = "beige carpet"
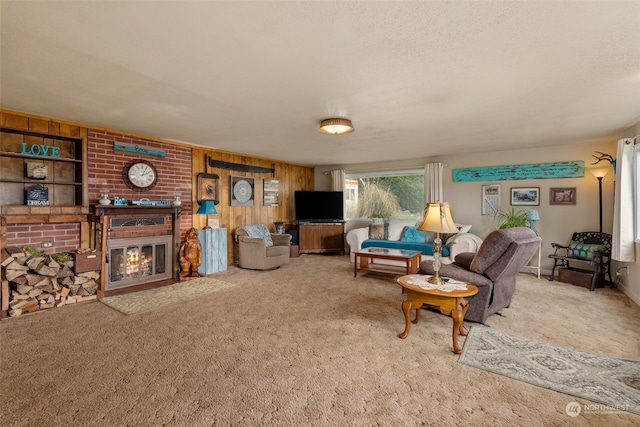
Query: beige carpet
(304, 345)
(152, 299)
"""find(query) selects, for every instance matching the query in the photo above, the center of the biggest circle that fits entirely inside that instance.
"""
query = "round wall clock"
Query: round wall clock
(242, 191)
(140, 175)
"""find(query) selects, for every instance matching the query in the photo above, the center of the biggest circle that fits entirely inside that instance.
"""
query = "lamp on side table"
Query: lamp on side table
(437, 219)
(214, 242)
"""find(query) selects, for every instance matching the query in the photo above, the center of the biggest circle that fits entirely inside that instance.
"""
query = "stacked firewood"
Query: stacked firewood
(33, 280)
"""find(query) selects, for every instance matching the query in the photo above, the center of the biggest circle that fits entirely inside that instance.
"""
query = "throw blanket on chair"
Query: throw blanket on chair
(259, 231)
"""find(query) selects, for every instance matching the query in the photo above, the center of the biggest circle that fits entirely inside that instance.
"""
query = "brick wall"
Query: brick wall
(65, 237)
(106, 165)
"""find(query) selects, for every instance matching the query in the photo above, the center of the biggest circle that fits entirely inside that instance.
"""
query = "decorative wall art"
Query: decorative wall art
(208, 187)
(37, 170)
(490, 199)
(37, 195)
(526, 171)
(525, 196)
(242, 191)
(270, 192)
(562, 196)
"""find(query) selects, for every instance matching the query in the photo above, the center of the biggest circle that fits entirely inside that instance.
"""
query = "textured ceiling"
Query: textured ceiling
(418, 79)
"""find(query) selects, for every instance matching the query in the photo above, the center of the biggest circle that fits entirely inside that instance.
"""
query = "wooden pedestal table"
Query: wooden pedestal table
(452, 303)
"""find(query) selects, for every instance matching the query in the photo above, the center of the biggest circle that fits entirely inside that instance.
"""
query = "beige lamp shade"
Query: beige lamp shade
(437, 219)
(336, 126)
(599, 172)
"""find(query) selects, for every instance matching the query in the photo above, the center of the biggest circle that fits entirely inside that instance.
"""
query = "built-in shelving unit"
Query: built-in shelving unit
(61, 161)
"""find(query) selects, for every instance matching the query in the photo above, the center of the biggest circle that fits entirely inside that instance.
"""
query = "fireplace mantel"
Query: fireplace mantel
(101, 216)
(101, 210)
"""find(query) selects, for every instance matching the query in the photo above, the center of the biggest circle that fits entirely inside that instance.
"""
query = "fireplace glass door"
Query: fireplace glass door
(137, 263)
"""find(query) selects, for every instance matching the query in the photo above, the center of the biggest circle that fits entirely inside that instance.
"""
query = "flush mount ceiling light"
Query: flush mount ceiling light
(336, 126)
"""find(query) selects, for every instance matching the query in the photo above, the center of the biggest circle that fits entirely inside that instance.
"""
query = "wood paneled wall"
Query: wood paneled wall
(291, 177)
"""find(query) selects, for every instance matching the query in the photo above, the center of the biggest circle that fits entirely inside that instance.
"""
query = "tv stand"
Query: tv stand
(321, 237)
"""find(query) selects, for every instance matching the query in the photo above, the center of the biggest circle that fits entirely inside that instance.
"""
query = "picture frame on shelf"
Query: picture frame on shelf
(525, 196)
(562, 196)
(242, 191)
(208, 187)
(490, 199)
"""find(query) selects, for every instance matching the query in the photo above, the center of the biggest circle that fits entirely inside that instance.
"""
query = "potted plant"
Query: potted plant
(513, 218)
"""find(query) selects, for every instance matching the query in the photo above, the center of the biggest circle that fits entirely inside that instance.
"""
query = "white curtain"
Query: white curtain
(337, 180)
(433, 182)
(623, 246)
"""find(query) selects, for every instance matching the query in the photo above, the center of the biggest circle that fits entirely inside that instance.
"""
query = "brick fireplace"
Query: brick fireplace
(139, 243)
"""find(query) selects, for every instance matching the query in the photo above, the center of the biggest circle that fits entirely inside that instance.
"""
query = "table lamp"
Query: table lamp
(534, 217)
(208, 207)
(437, 219)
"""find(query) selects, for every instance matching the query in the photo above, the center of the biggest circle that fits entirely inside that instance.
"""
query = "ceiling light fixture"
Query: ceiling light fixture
(336, 126)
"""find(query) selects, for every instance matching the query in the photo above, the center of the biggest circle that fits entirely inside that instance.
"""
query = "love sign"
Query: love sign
(41, 150)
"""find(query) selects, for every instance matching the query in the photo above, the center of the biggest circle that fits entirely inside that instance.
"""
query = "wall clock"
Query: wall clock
(140, 175)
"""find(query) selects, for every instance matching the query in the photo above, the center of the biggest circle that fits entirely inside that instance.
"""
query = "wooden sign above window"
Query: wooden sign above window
(526, 171)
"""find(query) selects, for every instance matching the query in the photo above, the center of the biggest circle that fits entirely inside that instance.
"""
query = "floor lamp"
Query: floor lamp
(600, 173)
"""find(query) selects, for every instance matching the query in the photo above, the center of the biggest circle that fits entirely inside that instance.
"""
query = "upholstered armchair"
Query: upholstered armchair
(261, 250)
(492, 269)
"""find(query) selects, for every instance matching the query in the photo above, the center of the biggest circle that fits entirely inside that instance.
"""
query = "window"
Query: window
(636, 192)
(351, 193)
(398, 194)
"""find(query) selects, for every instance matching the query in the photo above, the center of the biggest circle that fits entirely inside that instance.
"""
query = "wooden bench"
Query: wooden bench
(591, 247)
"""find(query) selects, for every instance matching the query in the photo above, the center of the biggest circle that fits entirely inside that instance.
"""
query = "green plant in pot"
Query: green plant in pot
(513, 218)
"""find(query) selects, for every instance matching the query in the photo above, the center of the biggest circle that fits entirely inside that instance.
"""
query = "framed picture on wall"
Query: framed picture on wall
(207, 187)
(490, 199)
(562, 196)
(242, 191)
(525, 196)
(270, 192)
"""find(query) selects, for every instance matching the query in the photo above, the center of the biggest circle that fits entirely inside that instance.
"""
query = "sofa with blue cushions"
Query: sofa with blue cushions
(402, 234)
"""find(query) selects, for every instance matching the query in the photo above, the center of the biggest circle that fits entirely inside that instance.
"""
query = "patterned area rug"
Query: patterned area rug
(603, 379)
(151, 299)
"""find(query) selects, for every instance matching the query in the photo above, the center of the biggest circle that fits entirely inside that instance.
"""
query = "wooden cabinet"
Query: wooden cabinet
(214, 250)
(321, 237)
(42, 171)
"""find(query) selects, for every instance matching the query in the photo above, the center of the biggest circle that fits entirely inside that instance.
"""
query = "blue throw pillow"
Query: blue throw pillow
(411, 235)
(583, 251)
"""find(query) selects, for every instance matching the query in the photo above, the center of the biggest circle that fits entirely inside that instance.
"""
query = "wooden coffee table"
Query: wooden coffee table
(451, 303)
(367, 257)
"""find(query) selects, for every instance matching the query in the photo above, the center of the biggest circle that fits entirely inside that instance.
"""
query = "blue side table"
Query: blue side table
(214, 250)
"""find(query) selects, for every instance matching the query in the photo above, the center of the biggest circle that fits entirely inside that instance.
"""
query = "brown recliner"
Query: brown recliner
(260, 250)
(492, 269)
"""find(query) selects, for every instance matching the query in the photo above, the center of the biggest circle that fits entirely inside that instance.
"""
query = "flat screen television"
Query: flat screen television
(319, 206)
